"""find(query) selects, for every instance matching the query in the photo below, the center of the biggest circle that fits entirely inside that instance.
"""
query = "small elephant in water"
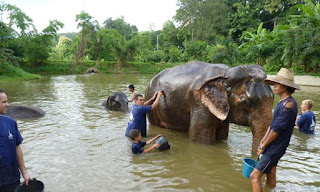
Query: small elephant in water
(24, 112)
(203, 98)
(117, 101)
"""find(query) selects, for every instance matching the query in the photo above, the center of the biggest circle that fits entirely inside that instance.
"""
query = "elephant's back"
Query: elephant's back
(192, 73)
(24, 112)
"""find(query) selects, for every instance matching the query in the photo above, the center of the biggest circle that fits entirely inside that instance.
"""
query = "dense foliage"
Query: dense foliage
(271, 33)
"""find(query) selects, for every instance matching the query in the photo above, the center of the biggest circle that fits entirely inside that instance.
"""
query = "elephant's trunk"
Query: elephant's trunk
(259, 121)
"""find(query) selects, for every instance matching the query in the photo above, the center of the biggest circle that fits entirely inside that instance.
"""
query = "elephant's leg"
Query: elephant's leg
(222, 130)
(202, 126)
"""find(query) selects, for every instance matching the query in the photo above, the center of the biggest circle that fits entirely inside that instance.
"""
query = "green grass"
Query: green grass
(9, 72)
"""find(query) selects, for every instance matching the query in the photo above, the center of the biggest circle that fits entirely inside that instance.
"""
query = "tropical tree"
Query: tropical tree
(63, 48)
(88, 27)
(302, 40)
(258, 46)
(38, 47)
(202, 20)
(125, 49)
(123, 28)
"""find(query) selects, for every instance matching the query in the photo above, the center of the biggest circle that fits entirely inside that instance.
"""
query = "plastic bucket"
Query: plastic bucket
(34, 186)
(248, 166)
(163, 143)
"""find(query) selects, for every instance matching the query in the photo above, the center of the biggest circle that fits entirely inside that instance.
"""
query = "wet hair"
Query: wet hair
(131, 86)
(308, 103)
(291, 89)
(137, 96)
(2, 91)
(134, 133)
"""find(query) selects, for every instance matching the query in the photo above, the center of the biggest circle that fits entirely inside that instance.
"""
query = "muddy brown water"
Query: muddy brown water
(79, 146)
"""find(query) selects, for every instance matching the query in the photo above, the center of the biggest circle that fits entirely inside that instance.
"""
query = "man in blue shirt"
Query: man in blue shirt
(307, 121)
(276, 140)
(11, 156)
(138, 113)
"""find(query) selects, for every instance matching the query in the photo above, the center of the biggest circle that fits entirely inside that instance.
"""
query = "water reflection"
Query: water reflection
(80, 146)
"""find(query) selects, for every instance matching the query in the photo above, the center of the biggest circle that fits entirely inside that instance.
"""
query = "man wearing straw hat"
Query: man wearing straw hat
(276, 140)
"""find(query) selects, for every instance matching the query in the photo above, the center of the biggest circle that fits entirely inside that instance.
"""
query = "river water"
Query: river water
(80, 146)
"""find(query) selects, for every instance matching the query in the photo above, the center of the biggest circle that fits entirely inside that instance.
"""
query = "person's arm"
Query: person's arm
(133, 96)
(156, 102)
(271, 137)
(153, 139)
(22, 167)
(154, 146)
(297, 119)
(265, 136)
(301, 120)
(150, 100)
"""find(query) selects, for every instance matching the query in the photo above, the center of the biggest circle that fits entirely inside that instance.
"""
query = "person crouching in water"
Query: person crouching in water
(276, 140)
(137, 144)
(307, 121)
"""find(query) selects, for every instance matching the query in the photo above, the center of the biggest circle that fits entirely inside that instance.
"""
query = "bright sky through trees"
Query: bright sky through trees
(142, 13)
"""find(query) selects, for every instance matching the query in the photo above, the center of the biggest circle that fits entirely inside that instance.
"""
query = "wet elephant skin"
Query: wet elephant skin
(24, 112)
(117, 101)
(203, 98)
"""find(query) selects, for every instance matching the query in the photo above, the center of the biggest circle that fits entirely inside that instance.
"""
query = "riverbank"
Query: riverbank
(109, 67)
(9, 72)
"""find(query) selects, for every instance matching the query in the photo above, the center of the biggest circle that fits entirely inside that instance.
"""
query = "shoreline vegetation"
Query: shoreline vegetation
(9, 72)
(107, 67)
(264, 35)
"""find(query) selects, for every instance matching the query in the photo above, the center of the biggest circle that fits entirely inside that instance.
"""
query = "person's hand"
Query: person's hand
(159, 135)
(160, 93)
(259, 152)
(154, 96)
(26, 177)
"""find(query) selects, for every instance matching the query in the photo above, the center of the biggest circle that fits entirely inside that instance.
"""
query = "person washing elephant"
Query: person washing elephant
(11, 156)
(139, 110)
(134, 93)
(276, 140)
(306, 121)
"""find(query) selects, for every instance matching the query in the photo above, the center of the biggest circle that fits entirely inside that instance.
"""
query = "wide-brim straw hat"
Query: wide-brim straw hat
(284, 77)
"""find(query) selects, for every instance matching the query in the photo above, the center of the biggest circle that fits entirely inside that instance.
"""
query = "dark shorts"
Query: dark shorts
(9, 187)
(266, 163)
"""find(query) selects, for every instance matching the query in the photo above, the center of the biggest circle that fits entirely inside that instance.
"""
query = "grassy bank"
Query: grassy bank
(111, 67)
(9, 72)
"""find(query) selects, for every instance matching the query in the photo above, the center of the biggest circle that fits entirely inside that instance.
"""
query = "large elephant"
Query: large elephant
(24, 112)
(117, 101)
(204, 98)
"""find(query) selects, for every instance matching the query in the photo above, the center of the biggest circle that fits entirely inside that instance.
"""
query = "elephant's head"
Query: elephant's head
(117, 102)
(241, 97)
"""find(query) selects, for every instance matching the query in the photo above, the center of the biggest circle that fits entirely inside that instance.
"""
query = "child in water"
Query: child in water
(137, 144)
(307, 121)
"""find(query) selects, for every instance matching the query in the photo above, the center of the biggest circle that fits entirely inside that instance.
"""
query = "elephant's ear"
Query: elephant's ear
(214, 95)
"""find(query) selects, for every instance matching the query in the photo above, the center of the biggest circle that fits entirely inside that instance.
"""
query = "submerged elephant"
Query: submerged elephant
(24, 112)
(204, 98)
(117, 101)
